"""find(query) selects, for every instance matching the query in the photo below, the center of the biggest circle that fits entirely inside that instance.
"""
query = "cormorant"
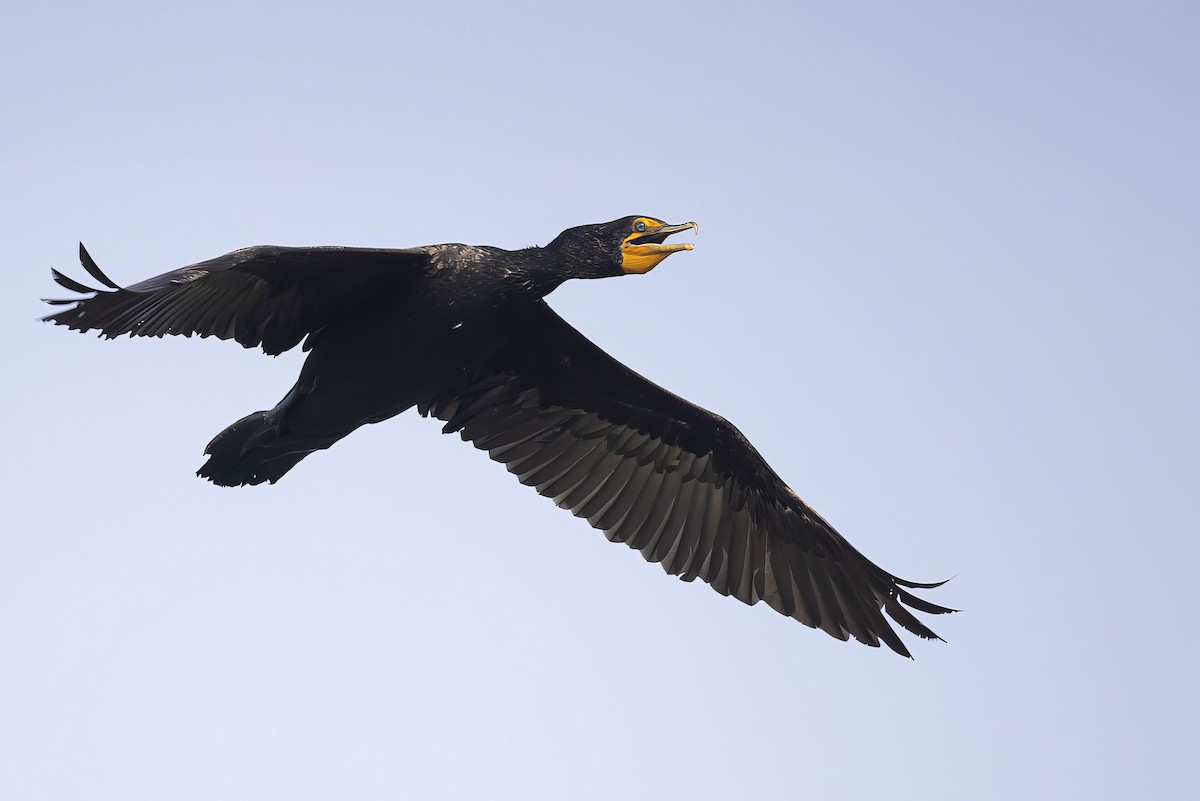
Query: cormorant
(463, 333)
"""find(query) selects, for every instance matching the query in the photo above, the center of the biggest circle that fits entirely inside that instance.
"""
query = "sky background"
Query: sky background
(946, 281)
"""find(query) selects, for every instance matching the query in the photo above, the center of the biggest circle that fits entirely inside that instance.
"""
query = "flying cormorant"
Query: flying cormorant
(463, 333)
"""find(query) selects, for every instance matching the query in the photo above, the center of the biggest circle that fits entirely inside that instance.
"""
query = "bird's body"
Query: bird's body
(443, 319)
(463, 333)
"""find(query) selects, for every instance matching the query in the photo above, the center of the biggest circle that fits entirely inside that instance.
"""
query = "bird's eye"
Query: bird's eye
(639, 226)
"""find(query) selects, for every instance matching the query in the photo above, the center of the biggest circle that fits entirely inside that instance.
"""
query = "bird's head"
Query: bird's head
(628, 245)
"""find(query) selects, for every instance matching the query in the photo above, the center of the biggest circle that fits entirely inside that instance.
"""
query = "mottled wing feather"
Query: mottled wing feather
(264, 296)
(667, 478)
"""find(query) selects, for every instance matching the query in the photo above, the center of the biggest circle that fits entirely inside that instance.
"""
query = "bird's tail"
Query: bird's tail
(252, 451)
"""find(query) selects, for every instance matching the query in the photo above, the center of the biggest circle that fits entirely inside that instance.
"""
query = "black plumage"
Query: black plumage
(463, 333)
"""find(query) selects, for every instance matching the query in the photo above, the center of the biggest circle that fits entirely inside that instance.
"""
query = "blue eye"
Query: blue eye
(639, 226)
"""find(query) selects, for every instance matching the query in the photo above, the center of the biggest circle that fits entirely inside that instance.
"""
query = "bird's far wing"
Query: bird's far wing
(269, 296)
(672, 480)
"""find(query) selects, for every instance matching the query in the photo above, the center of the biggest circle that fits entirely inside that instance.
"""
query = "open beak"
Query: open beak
(641, 253)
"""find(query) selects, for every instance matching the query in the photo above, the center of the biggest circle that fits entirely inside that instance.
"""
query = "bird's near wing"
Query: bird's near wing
(269, 296)
(672, 480)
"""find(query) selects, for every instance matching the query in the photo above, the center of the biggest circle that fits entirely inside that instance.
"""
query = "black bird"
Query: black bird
(463, 333)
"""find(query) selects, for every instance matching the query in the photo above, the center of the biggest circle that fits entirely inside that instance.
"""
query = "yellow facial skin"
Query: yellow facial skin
(642, 258)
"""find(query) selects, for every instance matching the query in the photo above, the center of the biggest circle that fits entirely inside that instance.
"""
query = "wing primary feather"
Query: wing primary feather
(921, 604)
(905, 618)
(67, 282)
(880, 627)
(93, 269)
(916, 585)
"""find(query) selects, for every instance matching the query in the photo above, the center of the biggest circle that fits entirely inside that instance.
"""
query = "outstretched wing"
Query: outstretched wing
(267, 295)
(674, 481)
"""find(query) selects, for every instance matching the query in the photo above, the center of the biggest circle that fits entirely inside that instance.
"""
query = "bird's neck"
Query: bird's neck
(560, 261)
(543, 269)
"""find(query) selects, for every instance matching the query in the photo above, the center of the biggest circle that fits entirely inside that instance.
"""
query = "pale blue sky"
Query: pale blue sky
(946, 281)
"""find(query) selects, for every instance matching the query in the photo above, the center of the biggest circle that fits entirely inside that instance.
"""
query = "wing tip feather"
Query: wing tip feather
(93, 269)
